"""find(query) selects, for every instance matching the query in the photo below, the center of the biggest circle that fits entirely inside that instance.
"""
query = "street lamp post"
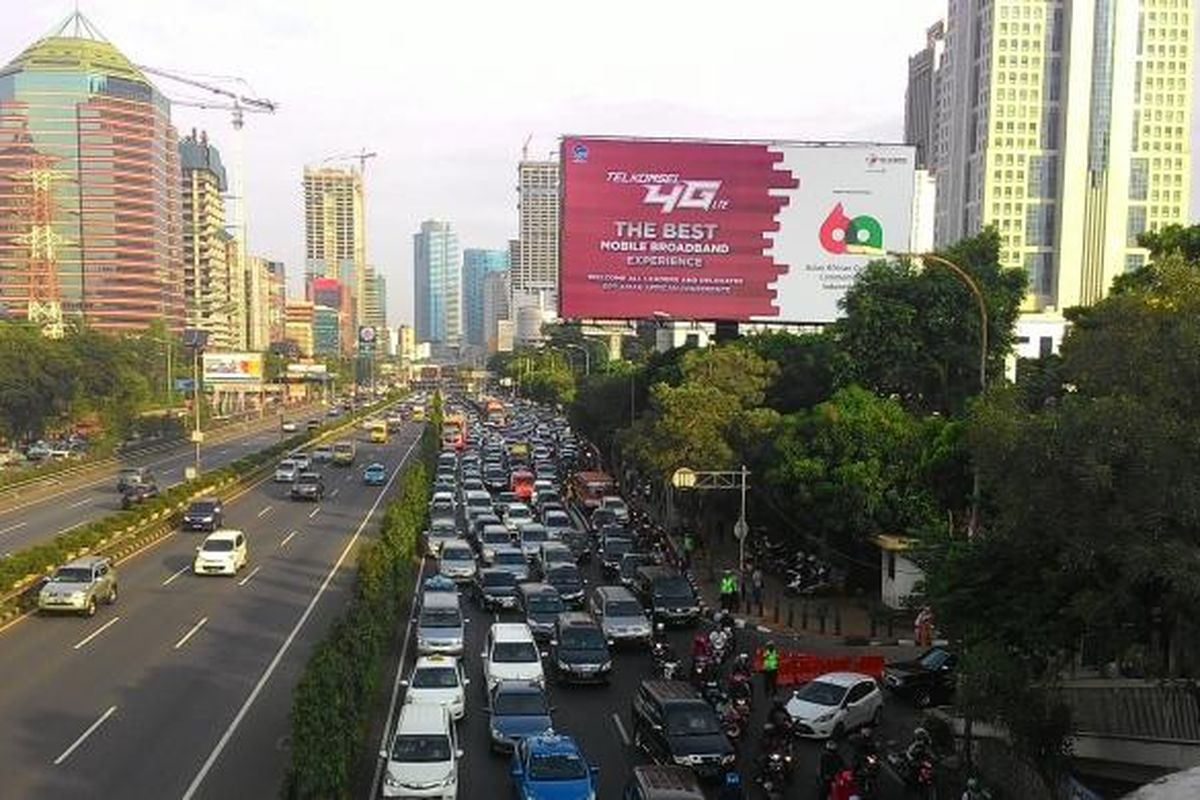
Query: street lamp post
(195, 339)
(685, 478)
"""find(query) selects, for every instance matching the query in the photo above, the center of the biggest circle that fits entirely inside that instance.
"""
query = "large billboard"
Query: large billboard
(233, 367)
(711, 230)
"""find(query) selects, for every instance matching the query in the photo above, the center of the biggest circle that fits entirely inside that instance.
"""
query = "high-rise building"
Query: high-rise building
(298, 325)
(477, 265)
(375, 299)
(495, 306)
(920, 98)
(437, 283)
(335, 233)
(207, 293)
(1065, 125)
(90, 214)
(265, 296)
(326, 331)
(535, 272)
(276, 301)
(239, 302)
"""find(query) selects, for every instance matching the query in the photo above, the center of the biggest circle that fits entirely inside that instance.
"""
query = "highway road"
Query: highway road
(599, 716)
(182, 689)
(29, 523)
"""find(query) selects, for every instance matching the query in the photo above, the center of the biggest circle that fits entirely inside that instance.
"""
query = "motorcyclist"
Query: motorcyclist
(777, 731)
(862, 743)
(920, 748)
(974, 791)
(700, 646)
(828, 768)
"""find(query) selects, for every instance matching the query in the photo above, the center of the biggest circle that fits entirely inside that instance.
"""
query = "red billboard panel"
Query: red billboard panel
(724, 230)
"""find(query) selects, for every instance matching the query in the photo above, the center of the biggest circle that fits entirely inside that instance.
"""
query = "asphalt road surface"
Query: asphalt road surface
(25, 524)
(599, 716)
(182, 689)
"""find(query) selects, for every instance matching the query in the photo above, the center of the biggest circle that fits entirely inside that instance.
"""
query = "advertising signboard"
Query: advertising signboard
(233, 367)
(713, 230)
(307, 369)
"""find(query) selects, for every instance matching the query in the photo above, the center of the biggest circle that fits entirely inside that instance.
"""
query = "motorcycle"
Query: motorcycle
(721, 642)
(666, 663)
(704, 670)
(918, 776)
(735, 716)
(775, 772)
(866, 775)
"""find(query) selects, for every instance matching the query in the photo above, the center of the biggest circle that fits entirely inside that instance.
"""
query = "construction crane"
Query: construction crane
(361, 157)
(236, 102)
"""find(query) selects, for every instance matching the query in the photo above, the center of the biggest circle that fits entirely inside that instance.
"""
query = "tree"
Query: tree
(808, 368)
(914, 333)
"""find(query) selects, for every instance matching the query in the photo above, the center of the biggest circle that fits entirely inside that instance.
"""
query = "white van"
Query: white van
(423, 759)
(511, 655)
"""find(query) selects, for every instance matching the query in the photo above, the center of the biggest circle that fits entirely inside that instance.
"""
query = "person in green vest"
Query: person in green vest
(770, 668)
(728, 589)
(689, 546)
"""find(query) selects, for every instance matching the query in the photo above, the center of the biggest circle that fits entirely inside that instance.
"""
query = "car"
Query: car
(344, 454)
(441, 530)
(612, 547)
(834, 703)
(667, 594)
(223, 552)
(513, 560)
(439, 583)
(927, 679)
(578, 650)
(510, 653)
(312, 425)
(490, 538)
(551, 767)
(374, 474)
(308, 486)
(618, 508)
(620, 615)
(303, 461)
(79, 586)
(569, 582)
(516, 515)
(628, 566)
(531, 536)
(674, 725)
(476, 502)
(322, 454)
(552, 553)
(516, 709)
(286, 471)
(456, 560)
(205, 514)
(494, 588)
(423, 758)
(137, 494)
(133, 476)
(541, 605)
(662, 782)
(289, 426)
(438, 680)
(441, 627)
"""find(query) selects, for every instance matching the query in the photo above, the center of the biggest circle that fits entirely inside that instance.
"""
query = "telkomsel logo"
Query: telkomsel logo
(842, 235)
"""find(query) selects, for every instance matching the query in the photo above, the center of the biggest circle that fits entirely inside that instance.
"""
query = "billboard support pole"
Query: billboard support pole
(196, 395)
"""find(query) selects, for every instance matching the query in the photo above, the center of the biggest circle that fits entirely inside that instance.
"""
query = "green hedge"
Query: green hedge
(332, 706)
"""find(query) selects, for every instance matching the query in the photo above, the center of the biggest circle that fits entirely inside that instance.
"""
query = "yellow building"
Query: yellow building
(298, 325)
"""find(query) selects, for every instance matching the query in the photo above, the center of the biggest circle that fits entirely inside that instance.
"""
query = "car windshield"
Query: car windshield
(581, 638)
(73, 575)
(497, 537)
(623, 608)
(692, 721)
(418, 749)
(522, 704)
(514, 653)
(673, 589)
(557, 767)
(510, 559)
(287, 465)
(495, 580)
(218, 545)
(479, 502)
(557, 519)
(934, 659)
(440, 618)
(435, 678)
(457, 554)
(617, 547)
(821, 693)
(203, 508)
(563, 577)
(545, 604)
(533, 536)
(309, 478)
(442, 526)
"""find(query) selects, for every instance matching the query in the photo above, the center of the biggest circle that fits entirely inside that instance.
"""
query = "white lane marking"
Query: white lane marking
(12, 528)
(314, 512)
(288, 538)
(82, 502)
(620, 728)
(264, 512)
(334, 493)
(82, 642)
(387, 726)
(176, 574)
(83, 736)
(227, 736)
(191, 633)
(246, 579)
(347, 479)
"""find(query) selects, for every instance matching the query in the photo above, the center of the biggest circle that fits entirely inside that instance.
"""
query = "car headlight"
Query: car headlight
(563, 665)
(684, 761)
(728, 758)
(391, 781)
(607, 665)
(77, 595)
(450, 781)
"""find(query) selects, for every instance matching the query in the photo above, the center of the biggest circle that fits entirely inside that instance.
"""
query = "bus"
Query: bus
(379, 431)
(454, 432)
(418, 413)
(589, 488)
(493, 412)
(521, 483)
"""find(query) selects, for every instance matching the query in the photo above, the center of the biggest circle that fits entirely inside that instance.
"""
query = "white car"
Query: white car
(286, 472)
(289, 427)
(516, 515)
(511, 655)
(303, 461)
(423, 758)
(834, 703)
(224, 552)
(456, 560)
(440, 531)
(617, 506)
(438, 680)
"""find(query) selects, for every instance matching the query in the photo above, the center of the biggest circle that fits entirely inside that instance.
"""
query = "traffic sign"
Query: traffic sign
(740, 529)
(683, 478)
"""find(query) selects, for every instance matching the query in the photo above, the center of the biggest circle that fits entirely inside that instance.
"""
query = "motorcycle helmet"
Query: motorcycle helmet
(831, 745)
(972, 784)
(743, 661)
(921, 735)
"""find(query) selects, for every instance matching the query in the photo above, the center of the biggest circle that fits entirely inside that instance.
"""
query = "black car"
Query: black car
(206, 514)
(137, 494)
(927, 680)
(308, 486)
(494, 588)
(602, 517)
(567, 579)
(578, 650)
(612, 548)
(674, 725)
(629, 564)
(667, 594)
(312, 425)
(541, 605)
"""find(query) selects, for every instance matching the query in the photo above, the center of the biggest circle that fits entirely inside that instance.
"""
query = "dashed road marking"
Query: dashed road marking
(83, 642)
(176, 574)
(252, 573)
(314, 512)
(83, 736)
(620, 728)
(264, 512)
(191, 632)
(288, 538)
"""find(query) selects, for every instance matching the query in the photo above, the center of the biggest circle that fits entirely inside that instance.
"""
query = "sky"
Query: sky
(447, 92)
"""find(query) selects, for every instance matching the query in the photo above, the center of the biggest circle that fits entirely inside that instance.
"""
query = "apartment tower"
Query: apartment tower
(437, 284)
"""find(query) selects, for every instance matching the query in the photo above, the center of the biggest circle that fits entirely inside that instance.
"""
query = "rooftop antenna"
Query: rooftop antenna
(525, 148)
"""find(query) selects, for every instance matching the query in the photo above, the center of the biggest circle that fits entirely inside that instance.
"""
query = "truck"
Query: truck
(343, 454)
(588, 489)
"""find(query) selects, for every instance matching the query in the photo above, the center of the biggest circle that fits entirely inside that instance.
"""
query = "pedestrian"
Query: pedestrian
(923, 627)
(689, 545)
(770, 669)
(728, 590)
(756, 587)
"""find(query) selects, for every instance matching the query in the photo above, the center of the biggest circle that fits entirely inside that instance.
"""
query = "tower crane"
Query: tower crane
(236, 102)
(361, 157)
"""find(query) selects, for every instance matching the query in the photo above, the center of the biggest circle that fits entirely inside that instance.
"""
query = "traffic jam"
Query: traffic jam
(558, 648)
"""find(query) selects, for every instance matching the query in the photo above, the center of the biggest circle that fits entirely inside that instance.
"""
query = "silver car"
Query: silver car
(619, 614)
(456, 561)
(78, 587)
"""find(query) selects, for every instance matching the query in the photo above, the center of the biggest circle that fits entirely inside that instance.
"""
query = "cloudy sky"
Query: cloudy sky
(446, 92)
